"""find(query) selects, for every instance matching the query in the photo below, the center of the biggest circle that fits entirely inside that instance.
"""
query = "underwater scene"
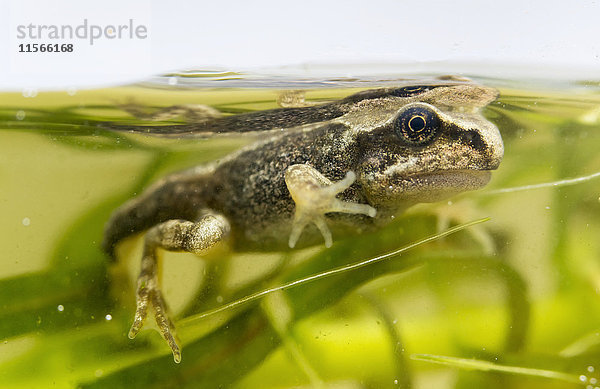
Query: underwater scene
(497, 287)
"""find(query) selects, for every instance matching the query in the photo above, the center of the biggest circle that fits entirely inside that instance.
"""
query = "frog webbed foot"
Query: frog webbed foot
(314, 196)
(148, 294)
(173, 235)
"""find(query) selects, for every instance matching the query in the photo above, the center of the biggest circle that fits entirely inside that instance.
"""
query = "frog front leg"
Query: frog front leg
(172, 235)
(314, 196)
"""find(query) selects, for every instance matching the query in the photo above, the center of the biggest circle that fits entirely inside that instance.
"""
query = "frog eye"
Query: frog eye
(417, 125)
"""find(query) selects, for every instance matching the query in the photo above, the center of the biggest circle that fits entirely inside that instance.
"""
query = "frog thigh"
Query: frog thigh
(314, 196)
(172, 235)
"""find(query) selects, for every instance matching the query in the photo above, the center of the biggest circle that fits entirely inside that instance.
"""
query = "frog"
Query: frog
(316, 172)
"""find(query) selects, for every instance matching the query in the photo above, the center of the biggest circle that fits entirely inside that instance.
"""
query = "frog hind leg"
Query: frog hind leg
(172, 235)
(314, 196)
(191, 113)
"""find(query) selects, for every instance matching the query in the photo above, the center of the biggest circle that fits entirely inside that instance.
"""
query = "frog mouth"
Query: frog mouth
(439, 185)
(453, 177)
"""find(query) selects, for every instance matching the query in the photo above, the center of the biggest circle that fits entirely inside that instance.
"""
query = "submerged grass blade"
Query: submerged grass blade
(476, 364)
(553, 184)
(581, 345)
(328, 273)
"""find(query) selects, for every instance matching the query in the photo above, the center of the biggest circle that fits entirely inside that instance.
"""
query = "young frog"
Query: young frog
(319, 171)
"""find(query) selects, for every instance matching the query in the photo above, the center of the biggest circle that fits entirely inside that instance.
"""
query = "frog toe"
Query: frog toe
(299, 225)
(165, 325)
(153, 298)
(297, 228)
(353, 208)
(149, 296)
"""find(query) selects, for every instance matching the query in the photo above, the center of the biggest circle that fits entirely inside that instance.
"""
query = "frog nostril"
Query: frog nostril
(473, 139)
(486, 146)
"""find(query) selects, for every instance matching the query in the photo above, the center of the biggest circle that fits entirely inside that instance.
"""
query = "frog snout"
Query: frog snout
(494, 152)
(490, 146)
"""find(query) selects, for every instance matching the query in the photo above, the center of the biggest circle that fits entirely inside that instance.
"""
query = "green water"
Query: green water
(519, 291)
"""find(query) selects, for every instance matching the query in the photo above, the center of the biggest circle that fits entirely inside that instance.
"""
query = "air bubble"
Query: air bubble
(60, 308)
(29, 92)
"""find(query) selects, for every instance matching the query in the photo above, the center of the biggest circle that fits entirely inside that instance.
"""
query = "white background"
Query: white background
(541, 36)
